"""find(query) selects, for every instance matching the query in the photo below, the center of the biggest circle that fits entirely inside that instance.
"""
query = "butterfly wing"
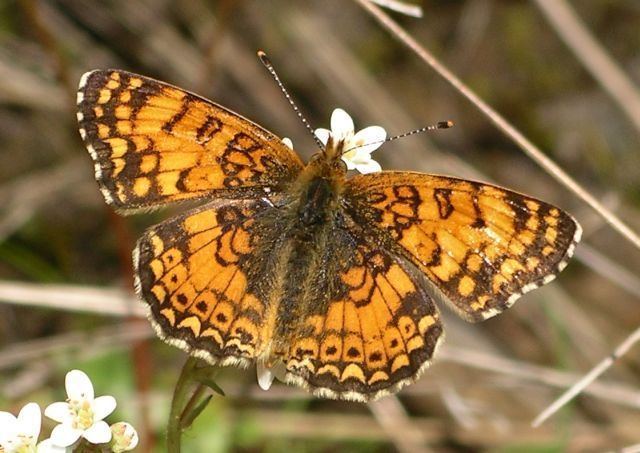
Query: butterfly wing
(192, 272)
(480, 246)
(369, 326)
(153, 143)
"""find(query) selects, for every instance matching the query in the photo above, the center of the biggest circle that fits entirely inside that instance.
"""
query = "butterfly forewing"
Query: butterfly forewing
(481, 246)
(153, 143)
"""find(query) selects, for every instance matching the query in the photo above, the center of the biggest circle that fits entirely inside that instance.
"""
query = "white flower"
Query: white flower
(20, 434)
(47, 446)
(358, 146)
(82, 414)
(124, 438)
(267, 373)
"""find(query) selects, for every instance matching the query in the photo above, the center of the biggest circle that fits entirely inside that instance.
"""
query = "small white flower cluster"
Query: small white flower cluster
(80, 417)
(358, 146)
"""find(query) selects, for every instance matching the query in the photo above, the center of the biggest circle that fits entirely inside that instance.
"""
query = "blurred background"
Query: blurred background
(65, 272)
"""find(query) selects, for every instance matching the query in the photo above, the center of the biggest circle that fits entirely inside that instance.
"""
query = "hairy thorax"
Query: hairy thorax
(305, 240)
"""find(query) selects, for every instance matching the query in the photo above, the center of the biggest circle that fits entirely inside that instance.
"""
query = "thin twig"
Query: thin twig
(105, 301)
(39, 349)
(457, 406)
(394, 420)
(507, 128)
(601, 264)
(593, 56)
(400, 7)
(588, 378)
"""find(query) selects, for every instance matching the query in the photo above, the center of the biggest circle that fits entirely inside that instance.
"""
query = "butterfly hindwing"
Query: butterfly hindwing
(153, 143)
(372, 330)
(191, 271)
(480, 246)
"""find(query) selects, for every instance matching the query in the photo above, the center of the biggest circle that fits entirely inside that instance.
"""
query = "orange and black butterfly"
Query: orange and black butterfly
(335, 277)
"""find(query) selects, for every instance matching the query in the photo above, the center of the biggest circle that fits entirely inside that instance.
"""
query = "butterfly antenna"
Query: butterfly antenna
(433, 127)
(267, 64)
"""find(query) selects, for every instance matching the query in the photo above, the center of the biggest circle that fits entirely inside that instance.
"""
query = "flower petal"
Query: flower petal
(279, 370)
(98, 433)
(59, 412)
(47, 446)
(347, 158)
(322, 134)
(371, 166)
(265, 376)
(368, 139)
(7, 420)
(65, 435)
(360, 156)
(29, 420)
(341, 125)
(9, 431)
(103, 406)
(78, 385)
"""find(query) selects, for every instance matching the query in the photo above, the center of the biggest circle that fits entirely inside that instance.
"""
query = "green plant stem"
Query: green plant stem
(195, 398)
(174, 428)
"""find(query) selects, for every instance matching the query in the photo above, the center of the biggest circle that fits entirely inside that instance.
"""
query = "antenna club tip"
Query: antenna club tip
(445, 124)
(263, 57)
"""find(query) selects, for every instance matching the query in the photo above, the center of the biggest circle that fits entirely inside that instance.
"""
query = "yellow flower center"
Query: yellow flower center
(26, 445)
(82, 414)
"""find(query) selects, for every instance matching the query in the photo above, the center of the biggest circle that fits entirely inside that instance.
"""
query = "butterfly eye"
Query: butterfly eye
(338, 164)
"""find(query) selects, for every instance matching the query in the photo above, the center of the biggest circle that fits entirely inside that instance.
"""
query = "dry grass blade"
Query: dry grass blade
(609, 269)
(38, 349)
(588, 378)
(614, 392)
(507, 128)
(71, 297)
(400, 7)
(395, 421)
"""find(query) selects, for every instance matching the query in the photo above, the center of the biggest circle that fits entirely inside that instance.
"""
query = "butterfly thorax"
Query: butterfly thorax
(306, 230)
(319, 186)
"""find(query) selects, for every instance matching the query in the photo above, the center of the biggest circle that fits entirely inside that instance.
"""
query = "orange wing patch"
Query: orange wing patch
(153, 143)
(482, 246)
(376, 335)
(189, 270)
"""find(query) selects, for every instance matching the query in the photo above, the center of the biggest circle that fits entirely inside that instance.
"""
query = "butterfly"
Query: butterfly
(333, 276)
